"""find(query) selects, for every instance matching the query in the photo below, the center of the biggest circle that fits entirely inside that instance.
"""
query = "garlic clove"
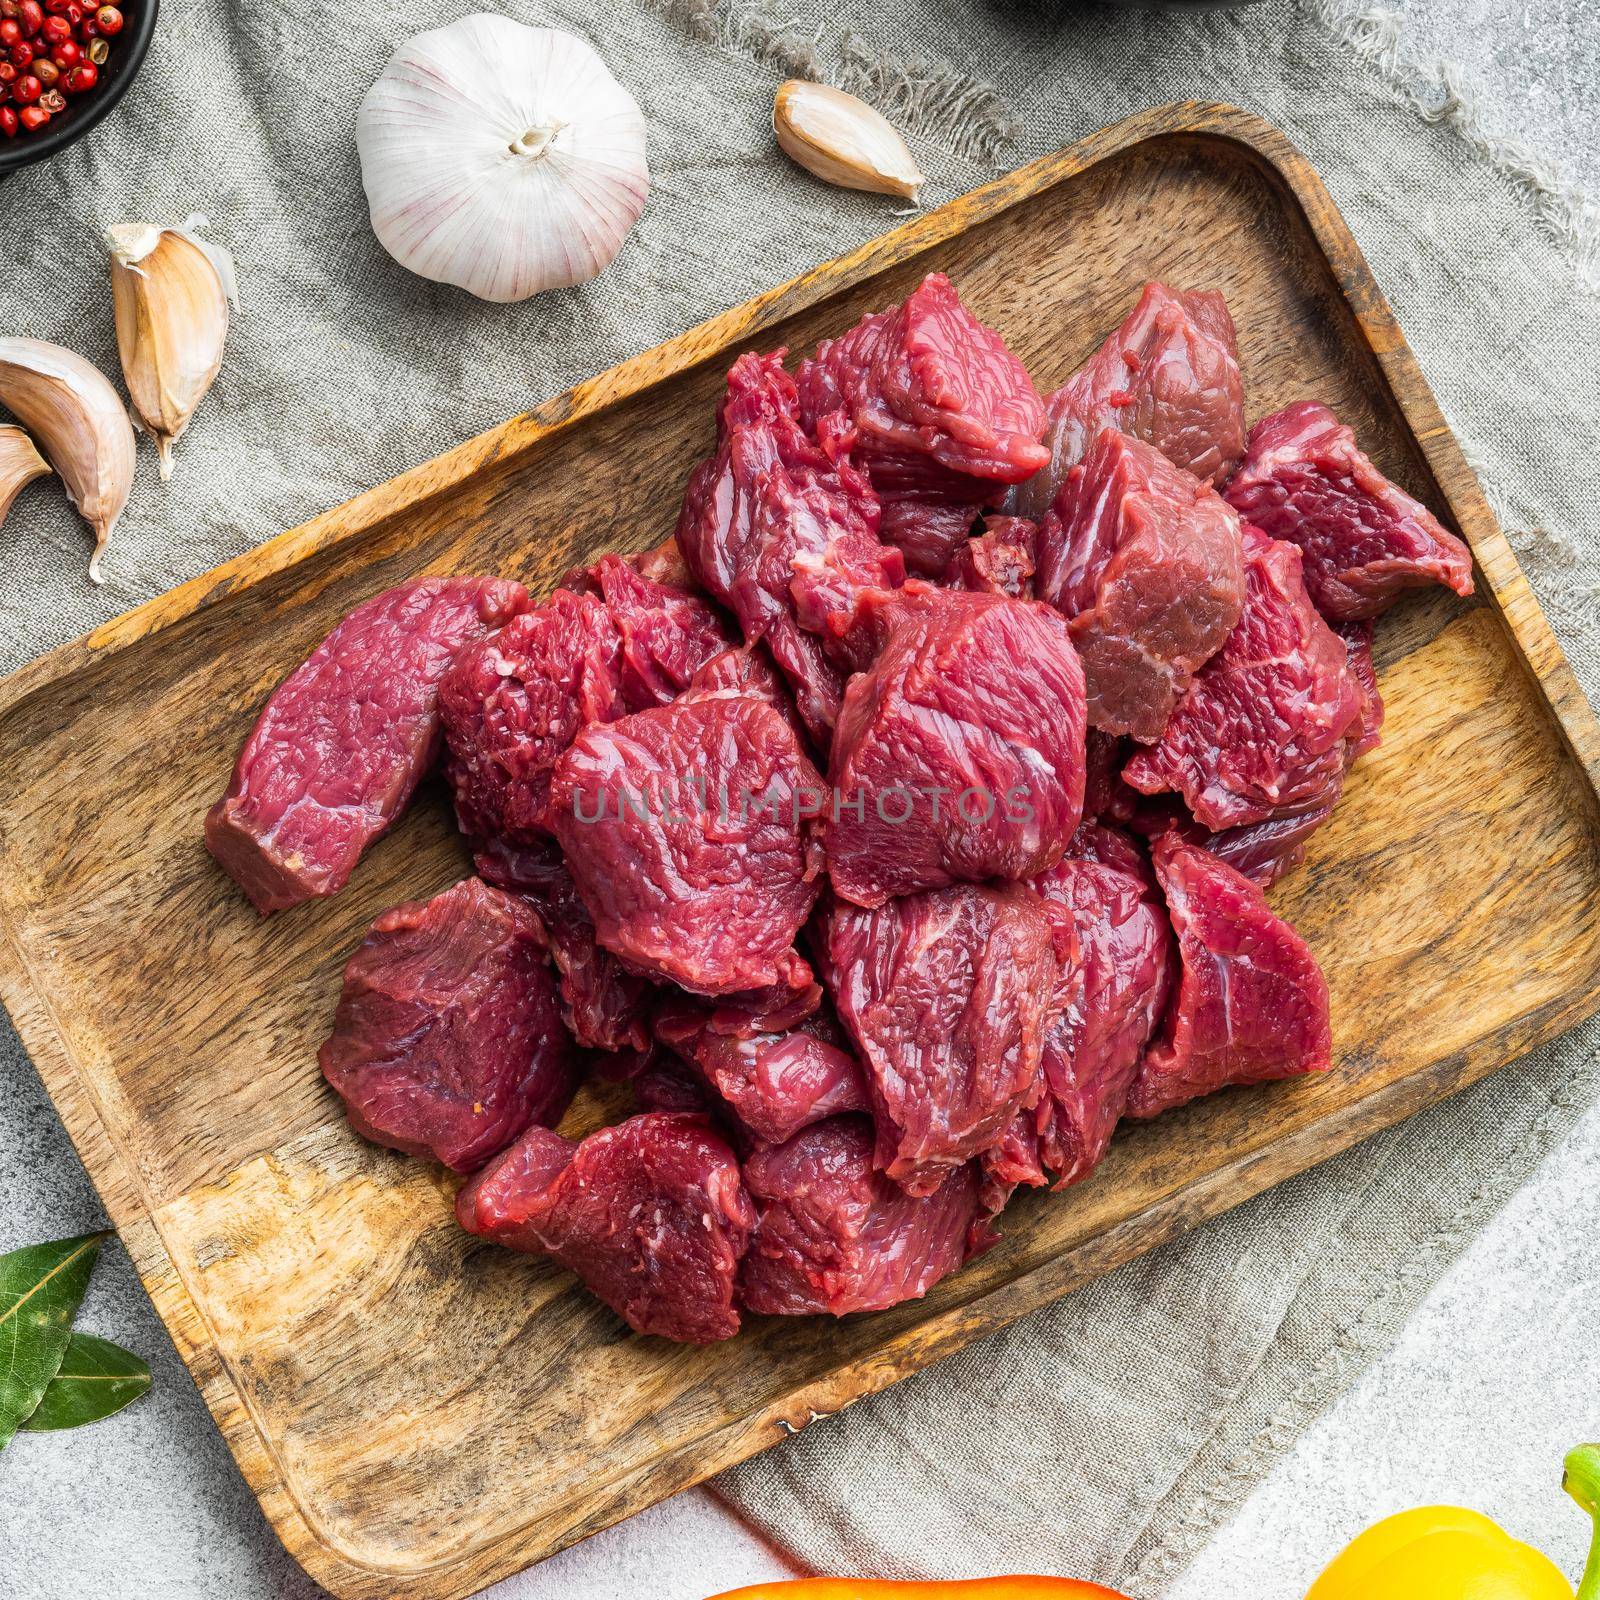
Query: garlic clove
(843, 140)
(79, 423)
(20, 464)
(501, 158)
(172, 291)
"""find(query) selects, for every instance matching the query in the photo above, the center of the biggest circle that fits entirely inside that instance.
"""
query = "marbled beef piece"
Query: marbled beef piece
(1126, 966)
(667, 634)
(750, 670)
(947, 996)
(513, 702)
(926, 382)
(834, 1235)
(651, 1214)
(344, 740)
(1000, 560)
(447, 1041)
(1365, 539)
(688, 831)
(960, 755)
(1261, 732)
(605, 1006)
(785, 537)
(774, 1081)
(1251, 1005)
(1148, 564)
(1169, 375)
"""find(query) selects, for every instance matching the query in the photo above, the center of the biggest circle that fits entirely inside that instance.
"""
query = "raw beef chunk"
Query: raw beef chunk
(784, 537)
(344, 740)
(750, 670)
(516, 700)
(447, 1041)
(1260, 851)
(928, 389)
(1368, 732)
(999, 560)
(834, 1235)
(928, 532)
(1365, 539)
(1149, 565)
(1252, 1004)
(774, 1082)
(1261, 732)
(1169, 375)
(606, 1006)
(959, 756)
(666, 633)
(688, 832)
(652, 1215)
(947, 996)
(1126, 967)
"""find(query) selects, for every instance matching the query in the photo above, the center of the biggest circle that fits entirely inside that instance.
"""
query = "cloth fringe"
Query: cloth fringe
(1442, 92)
(959, 113)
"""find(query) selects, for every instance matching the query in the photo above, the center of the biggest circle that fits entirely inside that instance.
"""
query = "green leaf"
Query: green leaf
(41, 1288)
(96, 1379)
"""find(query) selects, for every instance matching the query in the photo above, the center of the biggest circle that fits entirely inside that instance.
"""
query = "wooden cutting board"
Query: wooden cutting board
(421, 1414)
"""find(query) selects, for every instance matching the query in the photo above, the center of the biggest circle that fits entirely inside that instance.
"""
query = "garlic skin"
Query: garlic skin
(172, 292)
(79, 423)
(501, 159)
(20, 464)
(843, 140)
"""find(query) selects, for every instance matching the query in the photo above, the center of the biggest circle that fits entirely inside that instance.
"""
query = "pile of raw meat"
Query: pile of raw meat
(895, 835)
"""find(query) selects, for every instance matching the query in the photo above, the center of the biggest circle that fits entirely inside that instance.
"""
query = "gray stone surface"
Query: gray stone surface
(1474, 1404)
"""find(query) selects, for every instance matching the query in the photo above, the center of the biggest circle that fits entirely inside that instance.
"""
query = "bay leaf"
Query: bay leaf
(96, 1379)
(41, 1288)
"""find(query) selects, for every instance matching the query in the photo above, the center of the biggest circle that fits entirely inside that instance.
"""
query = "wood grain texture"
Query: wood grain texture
(421, 1414)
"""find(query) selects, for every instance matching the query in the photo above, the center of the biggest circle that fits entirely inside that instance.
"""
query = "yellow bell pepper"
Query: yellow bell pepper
(1446, 1553)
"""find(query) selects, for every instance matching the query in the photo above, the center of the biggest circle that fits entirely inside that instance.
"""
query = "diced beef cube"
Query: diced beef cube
(960, 755)
(784, 537)
(1368, 732)
(336, 753)
(997, 561)
(926, 382)
(775, 1082)
(447, 1041)
(928, 533)
(1365, 539)
(688, 832)
(667, 634)
(1260, 733)
(1169, 375)
(1148, 564)
(514, 702)
(1126, 969)
(947, 996)
(606, 1006)
(834, 1235)
(651, 1214)
(1251, 1004)
(1261, 851)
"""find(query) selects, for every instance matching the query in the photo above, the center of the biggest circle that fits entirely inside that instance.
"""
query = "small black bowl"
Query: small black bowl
(66, 127)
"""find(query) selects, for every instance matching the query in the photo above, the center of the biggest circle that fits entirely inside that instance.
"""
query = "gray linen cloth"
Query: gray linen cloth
(1110, 1434)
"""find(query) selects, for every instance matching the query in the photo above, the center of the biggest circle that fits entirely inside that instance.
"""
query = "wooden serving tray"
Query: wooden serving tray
(421, 1414)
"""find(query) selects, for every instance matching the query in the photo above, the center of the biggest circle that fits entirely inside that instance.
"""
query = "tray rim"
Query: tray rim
(115, 1171)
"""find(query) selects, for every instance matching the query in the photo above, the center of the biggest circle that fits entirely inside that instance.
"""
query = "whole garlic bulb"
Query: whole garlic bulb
(500, 158)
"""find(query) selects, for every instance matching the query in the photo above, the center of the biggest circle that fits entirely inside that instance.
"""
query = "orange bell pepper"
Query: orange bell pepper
(1012, 1588)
